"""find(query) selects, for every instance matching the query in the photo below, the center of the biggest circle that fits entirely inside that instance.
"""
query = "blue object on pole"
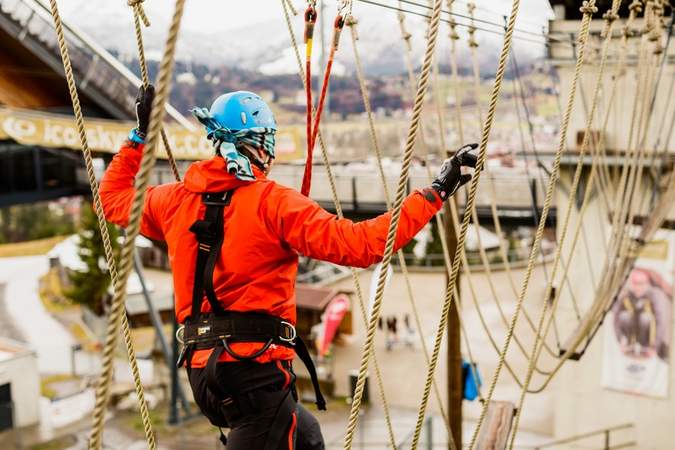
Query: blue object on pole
(471, 383)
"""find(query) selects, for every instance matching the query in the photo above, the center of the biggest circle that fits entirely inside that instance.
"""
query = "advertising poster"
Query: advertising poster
(638, 326)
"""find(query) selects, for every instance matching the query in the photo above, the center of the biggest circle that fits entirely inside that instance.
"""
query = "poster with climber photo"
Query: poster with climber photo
(638, 326)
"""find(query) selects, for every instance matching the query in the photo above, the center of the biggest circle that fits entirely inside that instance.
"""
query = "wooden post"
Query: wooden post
(454, 356)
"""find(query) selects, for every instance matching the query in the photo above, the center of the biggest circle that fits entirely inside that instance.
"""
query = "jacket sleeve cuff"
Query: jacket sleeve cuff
(136, 136)
(432, 196)
(132, 153)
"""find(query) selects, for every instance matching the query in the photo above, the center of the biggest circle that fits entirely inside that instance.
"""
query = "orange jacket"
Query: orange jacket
(266, 226)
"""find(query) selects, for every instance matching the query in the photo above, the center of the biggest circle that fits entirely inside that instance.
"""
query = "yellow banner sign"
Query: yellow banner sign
(105, 136)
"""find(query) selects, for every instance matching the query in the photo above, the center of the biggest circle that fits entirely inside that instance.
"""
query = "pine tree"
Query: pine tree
(90, 287)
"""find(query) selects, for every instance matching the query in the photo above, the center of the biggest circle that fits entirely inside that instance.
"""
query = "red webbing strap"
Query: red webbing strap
(310, 20)
(338, 25)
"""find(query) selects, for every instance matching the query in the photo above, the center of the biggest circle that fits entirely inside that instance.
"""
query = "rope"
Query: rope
(495, 220)
(439, 217)
(139, 15)
(448, 213)
(454, 72)
(604, 287)
(337, 30)
(351, 22)
(133, 228)
(98, 208)
(462, 236)
(587, 10)
(310, 20)
(338, 209)
(393, 225)
(577, 176)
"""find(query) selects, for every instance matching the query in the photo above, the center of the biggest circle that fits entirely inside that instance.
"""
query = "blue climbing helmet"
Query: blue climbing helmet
(235, 119)
(242, 110)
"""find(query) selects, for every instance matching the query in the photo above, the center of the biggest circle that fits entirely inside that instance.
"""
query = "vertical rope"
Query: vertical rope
(139, 15)
(473, 44)
(127, 253)
(395, 217)
(338, 210)
(351, 22)
(610, 254)
(100, 216)
(469, 205)
(536, 348)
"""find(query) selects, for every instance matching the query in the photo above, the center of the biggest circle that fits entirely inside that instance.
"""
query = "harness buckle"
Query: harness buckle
(180, 334)
(216, 198)
(292, 334)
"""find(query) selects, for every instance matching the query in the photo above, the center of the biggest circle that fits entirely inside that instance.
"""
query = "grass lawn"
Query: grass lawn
(30, 248)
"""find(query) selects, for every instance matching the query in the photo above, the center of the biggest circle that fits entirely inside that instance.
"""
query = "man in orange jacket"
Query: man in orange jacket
(233, 239)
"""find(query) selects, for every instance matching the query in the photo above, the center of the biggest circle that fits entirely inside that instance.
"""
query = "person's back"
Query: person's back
(233, 238)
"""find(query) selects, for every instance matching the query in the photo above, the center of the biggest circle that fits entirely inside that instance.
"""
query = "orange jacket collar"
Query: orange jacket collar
(211, 176)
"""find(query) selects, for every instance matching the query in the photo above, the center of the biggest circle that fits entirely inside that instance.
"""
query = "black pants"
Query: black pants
(249, 418)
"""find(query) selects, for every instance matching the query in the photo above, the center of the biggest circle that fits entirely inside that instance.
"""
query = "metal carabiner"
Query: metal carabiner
(180, 334)
(342, 6)
(294, 333)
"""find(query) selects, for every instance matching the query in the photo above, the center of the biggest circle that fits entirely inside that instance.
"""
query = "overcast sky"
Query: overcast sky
(221, 15)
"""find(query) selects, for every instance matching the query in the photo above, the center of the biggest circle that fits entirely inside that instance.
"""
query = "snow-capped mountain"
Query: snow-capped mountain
(265, 45)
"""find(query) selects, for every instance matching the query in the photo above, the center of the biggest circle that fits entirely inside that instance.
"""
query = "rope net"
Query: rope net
(620, 191)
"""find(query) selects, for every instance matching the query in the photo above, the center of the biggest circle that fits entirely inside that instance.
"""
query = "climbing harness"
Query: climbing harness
(220, 328)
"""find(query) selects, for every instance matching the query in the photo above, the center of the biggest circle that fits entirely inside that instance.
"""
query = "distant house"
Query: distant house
(19, 386)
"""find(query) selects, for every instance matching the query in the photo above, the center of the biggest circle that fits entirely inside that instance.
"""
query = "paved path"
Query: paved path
(8, 326)
(40, 330)
(404, 368)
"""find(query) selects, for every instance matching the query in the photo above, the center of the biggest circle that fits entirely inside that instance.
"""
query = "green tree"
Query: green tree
(34, 221)
(90, 287)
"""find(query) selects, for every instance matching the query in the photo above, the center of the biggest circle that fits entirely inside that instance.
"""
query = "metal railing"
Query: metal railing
(605, 433)
(371, 437)
(513, 190)
(358, 190)
(116, 85)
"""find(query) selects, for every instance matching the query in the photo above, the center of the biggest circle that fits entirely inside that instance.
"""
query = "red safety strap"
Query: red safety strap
(313, 131)
(310, 20)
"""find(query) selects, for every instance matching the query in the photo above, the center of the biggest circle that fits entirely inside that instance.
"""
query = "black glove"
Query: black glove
(450, 178)
(143, 109)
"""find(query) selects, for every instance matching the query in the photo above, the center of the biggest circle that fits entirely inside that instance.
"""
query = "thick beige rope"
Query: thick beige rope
(139, 15)
(351, 22)
(338, 209)
(588, 9)
(133, 228)
(442, 216)
(395, 217)
(614, 263)
(473, 44)
(575, 184)
(98, 208)
(465, 223)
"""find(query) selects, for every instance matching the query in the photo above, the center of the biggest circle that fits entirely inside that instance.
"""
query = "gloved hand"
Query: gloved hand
(450, 178)
(143, 109)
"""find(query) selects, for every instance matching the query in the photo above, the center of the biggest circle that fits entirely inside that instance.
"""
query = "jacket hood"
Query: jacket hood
(212, 176)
